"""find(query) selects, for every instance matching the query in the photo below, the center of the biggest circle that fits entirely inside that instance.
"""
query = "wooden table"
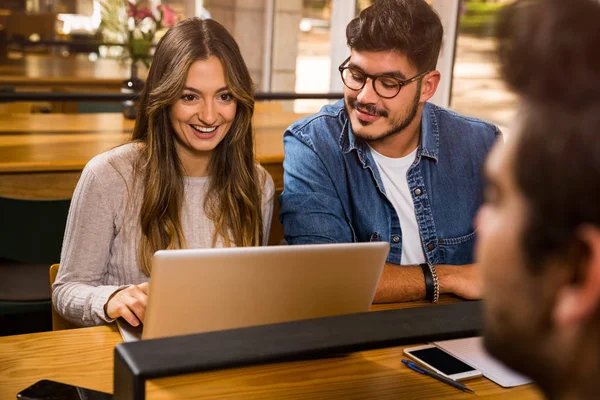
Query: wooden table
(42, 155)
(84, 357)
(55, 73)
(64, 73)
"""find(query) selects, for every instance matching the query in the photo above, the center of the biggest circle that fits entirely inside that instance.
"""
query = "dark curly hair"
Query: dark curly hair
(550, 56)
(409, 27)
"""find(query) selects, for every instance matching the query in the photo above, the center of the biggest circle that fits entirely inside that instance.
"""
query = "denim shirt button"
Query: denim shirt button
(430, 246)
(395, 239)
(417, 192)
(375, 235)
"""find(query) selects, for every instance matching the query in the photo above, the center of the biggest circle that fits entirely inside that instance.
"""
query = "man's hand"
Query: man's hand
(129, 303)
(462, 280)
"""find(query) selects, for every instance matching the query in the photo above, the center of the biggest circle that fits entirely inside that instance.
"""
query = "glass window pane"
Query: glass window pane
(477, 87)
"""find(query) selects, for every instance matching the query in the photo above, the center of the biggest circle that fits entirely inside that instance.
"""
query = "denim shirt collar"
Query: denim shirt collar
(430, 138)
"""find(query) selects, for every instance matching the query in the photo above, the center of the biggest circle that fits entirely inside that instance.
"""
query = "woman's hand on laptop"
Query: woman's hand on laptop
(129, 303)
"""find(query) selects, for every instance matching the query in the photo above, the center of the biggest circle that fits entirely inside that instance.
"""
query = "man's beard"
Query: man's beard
(353, 103)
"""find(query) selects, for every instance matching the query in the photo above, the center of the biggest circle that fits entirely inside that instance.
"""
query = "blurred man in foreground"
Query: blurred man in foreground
(539, 229)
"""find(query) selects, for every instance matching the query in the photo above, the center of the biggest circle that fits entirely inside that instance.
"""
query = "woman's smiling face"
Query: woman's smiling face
(204, 112)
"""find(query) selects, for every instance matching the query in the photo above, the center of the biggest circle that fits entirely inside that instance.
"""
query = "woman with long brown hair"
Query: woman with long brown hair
(187, 179)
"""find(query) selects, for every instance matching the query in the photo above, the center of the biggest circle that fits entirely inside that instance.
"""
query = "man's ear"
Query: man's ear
(429, 85)
(579, 300)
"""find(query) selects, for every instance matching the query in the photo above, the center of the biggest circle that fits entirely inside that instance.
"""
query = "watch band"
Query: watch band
(432, 285)
(428, 281)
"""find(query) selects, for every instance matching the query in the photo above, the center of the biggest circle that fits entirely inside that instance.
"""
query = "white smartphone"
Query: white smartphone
(441, 362)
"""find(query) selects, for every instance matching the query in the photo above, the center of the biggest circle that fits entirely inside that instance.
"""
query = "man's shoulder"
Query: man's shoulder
(327, 123)
(452, 123)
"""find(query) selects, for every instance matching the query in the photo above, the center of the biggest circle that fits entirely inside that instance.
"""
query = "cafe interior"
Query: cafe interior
(69, 79)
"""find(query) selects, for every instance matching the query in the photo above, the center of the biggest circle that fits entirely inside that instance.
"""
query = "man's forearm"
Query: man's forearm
(400, 283)
(406, 282)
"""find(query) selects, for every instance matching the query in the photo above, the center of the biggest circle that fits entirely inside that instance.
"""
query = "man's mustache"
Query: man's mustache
(369, 108)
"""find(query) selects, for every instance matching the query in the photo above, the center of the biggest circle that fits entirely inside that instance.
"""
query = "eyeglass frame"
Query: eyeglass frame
(400, 82)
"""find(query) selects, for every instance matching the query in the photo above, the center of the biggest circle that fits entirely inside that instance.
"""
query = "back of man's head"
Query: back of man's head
(409, 27)
(550, 54)
(542, 213)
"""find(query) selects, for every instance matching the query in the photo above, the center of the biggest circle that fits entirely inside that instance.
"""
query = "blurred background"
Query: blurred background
(289, 46)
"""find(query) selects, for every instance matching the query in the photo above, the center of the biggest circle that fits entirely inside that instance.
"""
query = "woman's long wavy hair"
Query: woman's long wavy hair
(233, 199)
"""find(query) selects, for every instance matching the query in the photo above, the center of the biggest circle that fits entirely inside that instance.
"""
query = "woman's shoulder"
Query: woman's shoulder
(114, 164)
(266, 181)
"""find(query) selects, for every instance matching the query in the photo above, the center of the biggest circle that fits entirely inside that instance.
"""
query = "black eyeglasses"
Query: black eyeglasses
(384, 85)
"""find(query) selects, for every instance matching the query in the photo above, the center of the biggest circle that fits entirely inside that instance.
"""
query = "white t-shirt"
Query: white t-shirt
(393, 174)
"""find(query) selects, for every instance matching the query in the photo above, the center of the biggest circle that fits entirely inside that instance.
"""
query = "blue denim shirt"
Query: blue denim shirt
(333, 192)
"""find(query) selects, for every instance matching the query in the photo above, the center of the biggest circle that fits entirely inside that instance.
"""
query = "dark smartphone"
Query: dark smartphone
(51, 390)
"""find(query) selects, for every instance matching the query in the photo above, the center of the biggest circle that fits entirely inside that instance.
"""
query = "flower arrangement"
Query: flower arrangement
(135, 24)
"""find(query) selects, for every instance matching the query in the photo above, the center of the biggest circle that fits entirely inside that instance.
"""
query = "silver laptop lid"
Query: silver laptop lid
(202, 290)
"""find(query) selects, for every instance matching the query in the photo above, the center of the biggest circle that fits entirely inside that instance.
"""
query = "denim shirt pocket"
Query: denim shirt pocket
(457, 251)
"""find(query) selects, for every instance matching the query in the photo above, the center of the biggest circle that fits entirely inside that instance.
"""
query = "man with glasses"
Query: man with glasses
(385, 165)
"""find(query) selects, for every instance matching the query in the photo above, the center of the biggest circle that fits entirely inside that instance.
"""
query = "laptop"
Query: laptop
(204, 290)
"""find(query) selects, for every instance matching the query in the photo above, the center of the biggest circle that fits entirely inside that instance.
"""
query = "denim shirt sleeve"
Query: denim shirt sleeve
(310, 208)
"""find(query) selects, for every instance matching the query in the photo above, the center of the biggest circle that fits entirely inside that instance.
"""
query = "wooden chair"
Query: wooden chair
(58, 322)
